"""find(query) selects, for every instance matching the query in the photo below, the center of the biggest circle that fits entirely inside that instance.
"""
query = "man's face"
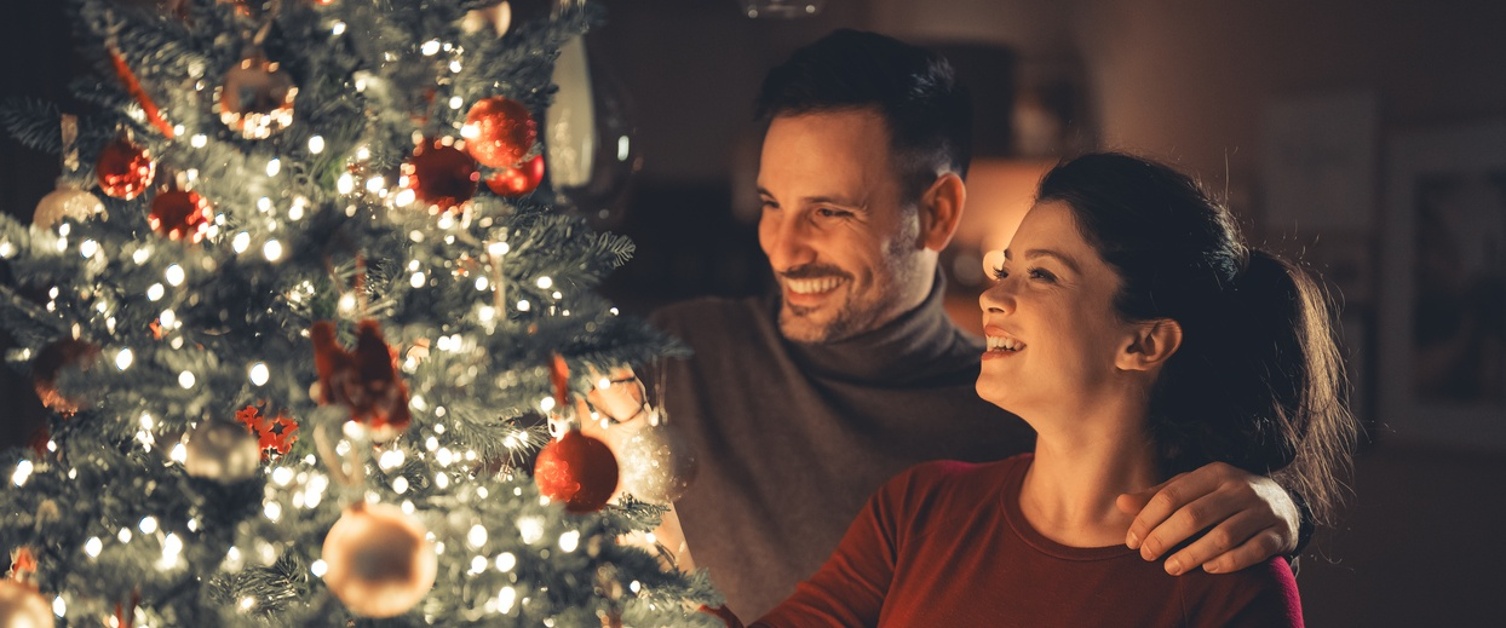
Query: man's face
(846, 250)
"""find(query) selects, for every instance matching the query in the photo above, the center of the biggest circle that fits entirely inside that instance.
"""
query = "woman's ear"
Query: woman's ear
(941, 211)
(1150, 345)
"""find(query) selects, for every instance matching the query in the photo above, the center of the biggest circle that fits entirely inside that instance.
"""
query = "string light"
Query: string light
(570, 540)
(346, 183)
(318, 568)
(186, 380)
(390, 459)
(545, 282)
(506, 561)
(88, 248)
(400, 485)
(430, 48)
(272, 250)
(282, 475)
(274, 166)
(124, 358)
(23, 471)
(175, 275)
(531, 529)
(505, 599)
(93, 547)
(477, 536)
(172, 548)
(155, 292)
(260, 373)
(546, 404)
(316, 143)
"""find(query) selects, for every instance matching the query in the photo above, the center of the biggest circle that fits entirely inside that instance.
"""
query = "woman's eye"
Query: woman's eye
(999, 273)
(1042, 274)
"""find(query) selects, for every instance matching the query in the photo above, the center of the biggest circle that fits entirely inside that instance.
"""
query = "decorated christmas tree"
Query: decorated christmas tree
(304, 309)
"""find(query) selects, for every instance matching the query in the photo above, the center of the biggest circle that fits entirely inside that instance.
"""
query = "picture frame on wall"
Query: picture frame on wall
(1443, 288)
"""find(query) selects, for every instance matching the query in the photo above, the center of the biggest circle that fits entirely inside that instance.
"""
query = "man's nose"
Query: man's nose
(788, 244)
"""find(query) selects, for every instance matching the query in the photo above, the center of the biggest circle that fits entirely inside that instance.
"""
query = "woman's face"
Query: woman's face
(1049, 317)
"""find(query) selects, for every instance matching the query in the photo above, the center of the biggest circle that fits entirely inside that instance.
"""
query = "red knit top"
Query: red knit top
(945, 544)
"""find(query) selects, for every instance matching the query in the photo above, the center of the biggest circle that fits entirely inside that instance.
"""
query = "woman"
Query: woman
(1134, 330)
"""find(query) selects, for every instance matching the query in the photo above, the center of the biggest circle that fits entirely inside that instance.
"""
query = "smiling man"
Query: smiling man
(803, 402)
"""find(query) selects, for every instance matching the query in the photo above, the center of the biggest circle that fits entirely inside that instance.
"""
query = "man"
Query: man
(802, 403)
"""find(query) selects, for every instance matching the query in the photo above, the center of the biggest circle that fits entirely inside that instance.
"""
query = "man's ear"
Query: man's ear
(941, 211)
(1150, 345)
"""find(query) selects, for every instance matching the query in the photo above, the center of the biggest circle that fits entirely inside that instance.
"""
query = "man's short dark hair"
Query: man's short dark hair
(929, 114)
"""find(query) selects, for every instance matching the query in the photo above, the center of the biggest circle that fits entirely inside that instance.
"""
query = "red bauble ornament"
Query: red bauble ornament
(499, 132)
(441, 176)
(379, 560)
(364, 380)
(50, 361)
(124, 169)
(514, 182)
(180, 215)
(577, 470)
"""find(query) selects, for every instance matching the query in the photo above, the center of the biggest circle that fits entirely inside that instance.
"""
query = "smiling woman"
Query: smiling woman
(1131, 325)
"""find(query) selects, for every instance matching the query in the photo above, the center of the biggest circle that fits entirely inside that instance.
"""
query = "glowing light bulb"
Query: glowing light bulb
(272, 250)
(186, 380)
(124, 358)
(260, 373)
(23, 471)
(274, 166)
(175, 275)
(316, 143)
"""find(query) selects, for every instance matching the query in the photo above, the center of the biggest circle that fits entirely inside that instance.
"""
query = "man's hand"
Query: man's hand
(1249, 518)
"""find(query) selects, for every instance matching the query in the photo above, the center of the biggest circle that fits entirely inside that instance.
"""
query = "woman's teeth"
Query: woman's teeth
(1004, 343)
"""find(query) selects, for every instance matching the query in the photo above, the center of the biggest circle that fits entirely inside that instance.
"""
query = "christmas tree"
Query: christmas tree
(304, 307)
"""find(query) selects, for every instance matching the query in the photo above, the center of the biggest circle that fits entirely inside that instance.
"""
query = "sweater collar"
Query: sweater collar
(919, 345)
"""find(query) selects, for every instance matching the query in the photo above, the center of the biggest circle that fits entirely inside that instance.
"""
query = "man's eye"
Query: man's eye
(827, 212)
(768, 204)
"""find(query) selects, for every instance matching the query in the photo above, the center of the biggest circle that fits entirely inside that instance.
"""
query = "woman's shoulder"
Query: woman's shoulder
(1261, 595)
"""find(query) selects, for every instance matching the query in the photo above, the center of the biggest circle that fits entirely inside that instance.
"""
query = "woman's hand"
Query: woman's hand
(1248, 519)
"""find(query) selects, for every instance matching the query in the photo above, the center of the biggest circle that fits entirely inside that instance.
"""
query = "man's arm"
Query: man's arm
(1248, 518)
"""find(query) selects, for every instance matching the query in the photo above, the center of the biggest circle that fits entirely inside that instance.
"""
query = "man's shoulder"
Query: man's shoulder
(707, 312)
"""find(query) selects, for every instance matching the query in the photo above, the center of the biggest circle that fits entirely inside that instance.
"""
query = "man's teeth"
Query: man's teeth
(1004, 343)
(812, 286)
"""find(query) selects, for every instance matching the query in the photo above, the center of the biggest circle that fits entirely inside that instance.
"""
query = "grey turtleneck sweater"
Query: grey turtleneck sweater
(794, 438)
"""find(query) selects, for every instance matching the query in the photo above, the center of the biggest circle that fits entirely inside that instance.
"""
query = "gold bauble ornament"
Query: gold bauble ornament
(256, 99)
(379, 560)
(223, 451)
(66, 202)
(21, 606)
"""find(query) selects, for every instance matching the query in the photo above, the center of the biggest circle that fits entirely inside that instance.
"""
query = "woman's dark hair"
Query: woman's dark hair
(1257, 382)
(928, 113)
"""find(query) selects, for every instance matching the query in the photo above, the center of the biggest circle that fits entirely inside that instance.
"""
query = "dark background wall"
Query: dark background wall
(1192, 82)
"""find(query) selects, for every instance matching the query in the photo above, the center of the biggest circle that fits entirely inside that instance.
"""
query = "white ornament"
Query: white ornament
(66, 202)
(656, 462)
(223, 451)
